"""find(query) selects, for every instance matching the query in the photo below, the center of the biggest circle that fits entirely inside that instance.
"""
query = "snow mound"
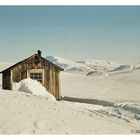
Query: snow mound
(123, 68)
(34, 87)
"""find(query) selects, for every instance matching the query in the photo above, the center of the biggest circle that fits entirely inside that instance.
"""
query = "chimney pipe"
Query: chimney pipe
(39, 52)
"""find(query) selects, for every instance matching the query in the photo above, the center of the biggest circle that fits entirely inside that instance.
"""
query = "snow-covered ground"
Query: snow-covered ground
(99, 104)
(23, 113)
(116, 87)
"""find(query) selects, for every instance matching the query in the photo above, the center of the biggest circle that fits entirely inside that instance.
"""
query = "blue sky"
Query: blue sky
(102, 32)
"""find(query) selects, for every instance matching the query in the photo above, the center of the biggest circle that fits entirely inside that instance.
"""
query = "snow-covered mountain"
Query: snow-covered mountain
(123, 68)
(86, 67)
(83, 67)
(137, 66)
(99, 64)
(69, 66)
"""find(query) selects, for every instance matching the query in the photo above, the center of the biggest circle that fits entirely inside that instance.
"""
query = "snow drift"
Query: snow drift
(34, 87)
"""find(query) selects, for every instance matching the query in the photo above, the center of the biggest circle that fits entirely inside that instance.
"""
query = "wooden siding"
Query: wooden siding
(19, 72)
(6, 80)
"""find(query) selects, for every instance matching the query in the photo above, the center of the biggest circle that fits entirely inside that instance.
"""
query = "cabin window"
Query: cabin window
(36, 74)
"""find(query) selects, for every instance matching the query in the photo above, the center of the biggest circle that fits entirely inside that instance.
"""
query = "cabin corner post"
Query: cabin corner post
(2, 81)
(11, 80)
(59, 84)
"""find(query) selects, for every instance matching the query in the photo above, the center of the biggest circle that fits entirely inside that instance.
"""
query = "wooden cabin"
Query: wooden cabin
(35, 67)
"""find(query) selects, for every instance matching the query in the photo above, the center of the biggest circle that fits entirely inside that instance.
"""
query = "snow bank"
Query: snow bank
(34, 87)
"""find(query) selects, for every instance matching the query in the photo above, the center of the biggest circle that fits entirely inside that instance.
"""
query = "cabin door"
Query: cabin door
(36, 74)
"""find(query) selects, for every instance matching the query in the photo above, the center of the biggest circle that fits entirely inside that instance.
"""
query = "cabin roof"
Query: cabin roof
(11, 67)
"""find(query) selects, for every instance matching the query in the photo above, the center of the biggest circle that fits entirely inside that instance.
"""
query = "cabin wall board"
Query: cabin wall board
(6, 80)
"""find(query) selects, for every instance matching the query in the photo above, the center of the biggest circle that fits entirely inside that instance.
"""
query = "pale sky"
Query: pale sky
(72, 32)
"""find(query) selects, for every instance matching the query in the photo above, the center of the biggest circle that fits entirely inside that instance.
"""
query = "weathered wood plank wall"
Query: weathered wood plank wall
(6, 80)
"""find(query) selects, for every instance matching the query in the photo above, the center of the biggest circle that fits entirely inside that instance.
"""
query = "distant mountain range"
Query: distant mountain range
(85, 66)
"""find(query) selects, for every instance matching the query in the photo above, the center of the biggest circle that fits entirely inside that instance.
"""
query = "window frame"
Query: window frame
(29, 71)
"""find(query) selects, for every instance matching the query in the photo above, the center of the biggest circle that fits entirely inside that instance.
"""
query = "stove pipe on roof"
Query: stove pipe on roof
(39, 52)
